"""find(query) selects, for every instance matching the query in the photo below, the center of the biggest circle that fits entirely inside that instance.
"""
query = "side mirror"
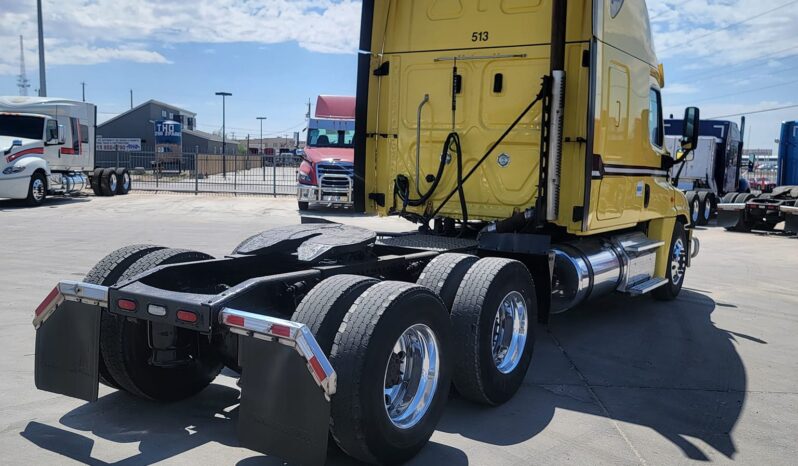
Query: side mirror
(690, 133)
(61, 135)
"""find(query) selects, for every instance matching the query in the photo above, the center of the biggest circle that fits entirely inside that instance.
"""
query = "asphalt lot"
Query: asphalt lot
(709, 377)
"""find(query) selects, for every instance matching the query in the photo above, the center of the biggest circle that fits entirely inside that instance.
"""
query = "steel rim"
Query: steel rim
(707, 209)
(112, 181)
(411, 376)
(37, 189)
(678, 261)
(509, 333)
(696, 208)
(126, 181)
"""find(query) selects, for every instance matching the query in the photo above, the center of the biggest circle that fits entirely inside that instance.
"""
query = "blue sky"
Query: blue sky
(727, 57)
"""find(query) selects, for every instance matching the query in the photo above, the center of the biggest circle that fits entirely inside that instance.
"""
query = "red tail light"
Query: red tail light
(187, 316)
(126, 304)
(280, 331)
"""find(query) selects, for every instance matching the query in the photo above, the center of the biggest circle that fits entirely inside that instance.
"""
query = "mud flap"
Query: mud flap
(730, 218)
(791, 222)
(68, 351)
(283, 411)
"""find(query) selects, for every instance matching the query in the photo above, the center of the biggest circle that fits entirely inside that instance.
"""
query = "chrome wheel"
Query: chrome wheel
(707, 208)
(112, 182)
(509, 332)
(126, 182)
(37, 189)
(411, 376)
(696, 209)
(678, 261)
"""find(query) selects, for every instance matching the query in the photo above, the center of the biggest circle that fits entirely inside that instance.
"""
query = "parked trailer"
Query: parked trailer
(47, 148)
(746, 212)
(712, 172)
(343, 331)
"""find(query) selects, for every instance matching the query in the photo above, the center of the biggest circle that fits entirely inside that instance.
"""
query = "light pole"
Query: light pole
(42, 77)
(262, 155)
(224, 137)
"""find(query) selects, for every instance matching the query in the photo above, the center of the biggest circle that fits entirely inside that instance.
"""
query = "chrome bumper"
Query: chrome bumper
(325, 194)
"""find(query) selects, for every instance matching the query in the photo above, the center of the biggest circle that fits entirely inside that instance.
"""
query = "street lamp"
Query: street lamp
(262, 155)
(261, 132)
(224, 135)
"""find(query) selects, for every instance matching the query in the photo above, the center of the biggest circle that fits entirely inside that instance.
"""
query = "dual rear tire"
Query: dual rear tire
(111, 181)
(396, 347)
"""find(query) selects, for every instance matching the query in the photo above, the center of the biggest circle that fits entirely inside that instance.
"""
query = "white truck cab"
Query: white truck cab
(47, 147)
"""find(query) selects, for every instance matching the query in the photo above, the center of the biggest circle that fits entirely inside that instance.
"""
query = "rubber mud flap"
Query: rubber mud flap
(283, 412)
(68, 351)
(791, 222)
(729, 218)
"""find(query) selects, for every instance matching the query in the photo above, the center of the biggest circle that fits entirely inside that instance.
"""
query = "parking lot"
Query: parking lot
(709, 377)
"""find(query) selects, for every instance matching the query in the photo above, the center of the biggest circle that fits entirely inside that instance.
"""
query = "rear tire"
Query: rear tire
(490, 363)
(109, 182)
(677, 265)
(324, 308)
(95, 181)
(368, 355)
(303, 205)
(107, 272)
(126, 353)
(124, 183)
(729, 198)
(444, 274)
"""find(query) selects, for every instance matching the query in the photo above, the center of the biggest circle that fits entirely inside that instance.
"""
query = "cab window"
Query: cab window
(655, 129)
(52, 130)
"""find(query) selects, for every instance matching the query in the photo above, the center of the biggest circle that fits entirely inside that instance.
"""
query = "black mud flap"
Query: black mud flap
(68, 351)
(730, 218)
(283, 412)
(791, 223)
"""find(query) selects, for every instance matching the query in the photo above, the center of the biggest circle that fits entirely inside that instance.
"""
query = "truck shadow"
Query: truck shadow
(664, 366)
(50, 202)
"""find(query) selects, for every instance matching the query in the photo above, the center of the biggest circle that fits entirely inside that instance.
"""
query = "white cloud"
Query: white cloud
(89, 32)
(709, 33)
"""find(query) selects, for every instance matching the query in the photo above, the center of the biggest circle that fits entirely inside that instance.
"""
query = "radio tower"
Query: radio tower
(22, 80)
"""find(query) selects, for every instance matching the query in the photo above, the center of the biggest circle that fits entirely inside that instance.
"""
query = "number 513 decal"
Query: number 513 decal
(480, 36)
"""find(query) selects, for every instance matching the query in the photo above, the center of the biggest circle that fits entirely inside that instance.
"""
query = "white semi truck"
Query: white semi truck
(47, 148)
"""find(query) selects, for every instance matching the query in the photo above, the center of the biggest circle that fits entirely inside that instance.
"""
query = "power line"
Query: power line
(763, 58)
(715, 31)
(741, 92)
(765, 110)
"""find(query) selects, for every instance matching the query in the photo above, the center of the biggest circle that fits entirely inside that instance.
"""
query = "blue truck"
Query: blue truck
(711, 173)
(765, 211)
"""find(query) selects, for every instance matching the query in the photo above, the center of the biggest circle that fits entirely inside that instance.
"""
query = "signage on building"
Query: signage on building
(168, 132)
(118, 144)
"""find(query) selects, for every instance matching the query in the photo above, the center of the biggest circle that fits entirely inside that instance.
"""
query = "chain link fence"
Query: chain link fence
(206, 173)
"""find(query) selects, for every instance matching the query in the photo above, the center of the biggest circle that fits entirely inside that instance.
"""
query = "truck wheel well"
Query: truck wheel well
(683, 219)
(43, 173)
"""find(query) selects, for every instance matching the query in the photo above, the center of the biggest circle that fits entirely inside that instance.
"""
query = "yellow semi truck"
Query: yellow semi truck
(525, 137)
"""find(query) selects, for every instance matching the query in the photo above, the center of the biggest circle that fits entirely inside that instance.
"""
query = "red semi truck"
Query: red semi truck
(325, 175)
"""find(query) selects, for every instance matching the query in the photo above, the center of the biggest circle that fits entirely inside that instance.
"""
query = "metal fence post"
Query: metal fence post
(263, 164)
(117, 157)
(274, 174)
(196, 170)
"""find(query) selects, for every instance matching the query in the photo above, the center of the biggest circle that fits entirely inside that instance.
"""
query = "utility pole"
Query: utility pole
(307, 115)
(42, 77)
(131, 99)
(22, 81)
(224, 136)
(83, 85)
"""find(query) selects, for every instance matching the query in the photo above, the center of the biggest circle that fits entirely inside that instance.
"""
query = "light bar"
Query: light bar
(292, 334)
(69, 290)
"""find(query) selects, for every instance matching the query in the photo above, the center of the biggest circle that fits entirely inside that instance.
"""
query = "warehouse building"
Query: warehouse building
(139, 122)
